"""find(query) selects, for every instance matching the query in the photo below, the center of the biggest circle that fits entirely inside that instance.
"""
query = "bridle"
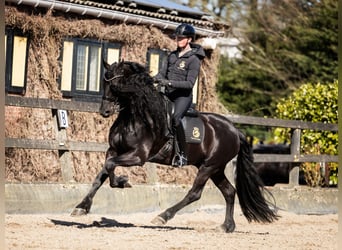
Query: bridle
(108, 98)
(114, 77)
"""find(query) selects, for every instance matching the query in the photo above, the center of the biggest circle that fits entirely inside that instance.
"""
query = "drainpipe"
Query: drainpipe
(110, 14)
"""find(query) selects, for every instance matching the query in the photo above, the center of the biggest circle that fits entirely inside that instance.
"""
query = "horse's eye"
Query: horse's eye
(108, 75)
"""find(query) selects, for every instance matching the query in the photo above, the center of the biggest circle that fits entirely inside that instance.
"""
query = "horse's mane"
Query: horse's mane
(145, 101)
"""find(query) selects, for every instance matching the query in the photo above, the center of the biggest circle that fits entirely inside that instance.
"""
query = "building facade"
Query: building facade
(54, 51)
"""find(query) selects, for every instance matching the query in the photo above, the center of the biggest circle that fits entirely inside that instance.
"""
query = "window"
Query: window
(16, 47)
(82, 67)
(155, 60)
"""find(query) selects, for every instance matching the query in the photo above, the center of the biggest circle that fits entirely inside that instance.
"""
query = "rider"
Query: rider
(179, 75)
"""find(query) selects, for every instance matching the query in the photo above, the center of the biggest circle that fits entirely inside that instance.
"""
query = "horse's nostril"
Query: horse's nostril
(105, 113)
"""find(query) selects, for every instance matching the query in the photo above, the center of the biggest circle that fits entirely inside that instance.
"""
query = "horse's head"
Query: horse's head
(116, 84)
(129, 86)
(109, 99)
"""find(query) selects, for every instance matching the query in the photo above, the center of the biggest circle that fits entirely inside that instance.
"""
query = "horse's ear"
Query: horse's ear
(105, 64)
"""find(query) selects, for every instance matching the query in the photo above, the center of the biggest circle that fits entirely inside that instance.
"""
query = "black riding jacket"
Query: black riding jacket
(182, 71)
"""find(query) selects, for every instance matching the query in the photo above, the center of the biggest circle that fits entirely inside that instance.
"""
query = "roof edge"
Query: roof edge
(68, 7)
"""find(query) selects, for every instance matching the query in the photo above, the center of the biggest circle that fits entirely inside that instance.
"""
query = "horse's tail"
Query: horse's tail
(250, 188)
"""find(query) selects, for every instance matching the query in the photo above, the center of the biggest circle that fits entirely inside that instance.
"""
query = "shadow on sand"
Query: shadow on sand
(108, 223)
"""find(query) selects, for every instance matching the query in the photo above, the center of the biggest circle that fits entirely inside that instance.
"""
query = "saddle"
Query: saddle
(193, 128)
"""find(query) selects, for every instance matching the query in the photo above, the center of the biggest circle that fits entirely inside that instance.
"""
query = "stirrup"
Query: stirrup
(179, 160)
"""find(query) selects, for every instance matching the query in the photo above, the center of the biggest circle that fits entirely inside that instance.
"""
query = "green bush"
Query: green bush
(314, 103)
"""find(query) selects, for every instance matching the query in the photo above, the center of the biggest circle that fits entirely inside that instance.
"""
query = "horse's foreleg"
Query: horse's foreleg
(228, 192)
(84, 207)
(193, 195)
(110, 165)
(122, 160)
(115, 181)
(118, 181)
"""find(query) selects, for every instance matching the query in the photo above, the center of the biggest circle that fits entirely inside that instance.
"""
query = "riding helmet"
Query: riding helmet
(185, 30)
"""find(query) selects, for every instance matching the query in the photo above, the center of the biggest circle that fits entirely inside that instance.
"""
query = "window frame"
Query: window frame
(90, 45)
(10, 34)
(103, 46)
(162, 58)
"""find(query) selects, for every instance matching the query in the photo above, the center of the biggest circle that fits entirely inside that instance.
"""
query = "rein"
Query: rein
(110, 79)
(108, 98)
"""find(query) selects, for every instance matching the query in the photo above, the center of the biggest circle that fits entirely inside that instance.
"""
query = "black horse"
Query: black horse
(138, 134)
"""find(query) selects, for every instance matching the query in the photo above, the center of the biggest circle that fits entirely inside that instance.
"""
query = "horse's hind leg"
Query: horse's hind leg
(193, 195)
(228, 192)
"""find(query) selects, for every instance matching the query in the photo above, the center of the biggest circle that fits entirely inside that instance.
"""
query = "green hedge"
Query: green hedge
(314, 103)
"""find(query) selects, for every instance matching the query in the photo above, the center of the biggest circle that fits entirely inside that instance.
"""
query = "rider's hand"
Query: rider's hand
(164, 82)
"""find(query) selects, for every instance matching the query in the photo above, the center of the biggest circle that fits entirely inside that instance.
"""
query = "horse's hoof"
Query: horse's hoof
(227, 228)
(158, 221)
(120, 185)
(127, 185)
(78, 212)
(120, 182)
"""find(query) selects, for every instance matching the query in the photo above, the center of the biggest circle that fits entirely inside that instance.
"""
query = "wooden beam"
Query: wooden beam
(94, 107)
(32, 144)
(102, 147)
(88, 146)
(30, 102)
(294, 158)
(272, 122)
(55, 145)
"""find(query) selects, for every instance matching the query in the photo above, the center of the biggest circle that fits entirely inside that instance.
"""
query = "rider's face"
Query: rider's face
(182, 42)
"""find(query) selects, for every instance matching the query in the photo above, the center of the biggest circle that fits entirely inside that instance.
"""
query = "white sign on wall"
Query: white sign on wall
(62, 118)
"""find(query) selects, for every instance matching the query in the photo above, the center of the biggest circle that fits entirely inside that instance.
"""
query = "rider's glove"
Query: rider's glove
(164, 82)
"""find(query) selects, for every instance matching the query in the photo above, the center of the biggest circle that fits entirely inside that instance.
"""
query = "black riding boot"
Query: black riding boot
(182, 156)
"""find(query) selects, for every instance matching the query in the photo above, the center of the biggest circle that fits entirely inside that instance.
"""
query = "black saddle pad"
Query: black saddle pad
(194, 129)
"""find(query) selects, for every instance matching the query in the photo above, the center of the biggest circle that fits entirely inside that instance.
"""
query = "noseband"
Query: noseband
(110, 79)
(109, 98)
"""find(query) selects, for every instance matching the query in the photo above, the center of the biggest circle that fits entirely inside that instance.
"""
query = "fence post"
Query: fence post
(295, 152)
(67, 167)
(151, 173)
